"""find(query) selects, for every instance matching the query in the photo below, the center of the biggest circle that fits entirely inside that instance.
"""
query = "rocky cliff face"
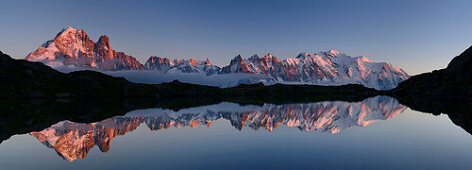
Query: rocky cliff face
(74, 47)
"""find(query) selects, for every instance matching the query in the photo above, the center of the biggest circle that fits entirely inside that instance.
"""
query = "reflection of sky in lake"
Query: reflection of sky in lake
(410, 139)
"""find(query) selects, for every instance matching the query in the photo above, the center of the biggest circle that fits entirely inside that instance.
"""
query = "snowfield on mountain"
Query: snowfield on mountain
(72, 50)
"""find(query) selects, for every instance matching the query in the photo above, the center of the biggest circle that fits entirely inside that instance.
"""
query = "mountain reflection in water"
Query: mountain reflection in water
(74, 140)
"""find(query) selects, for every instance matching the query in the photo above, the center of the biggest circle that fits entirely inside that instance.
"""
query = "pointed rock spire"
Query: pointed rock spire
(193, 62)
(75, 47)
(104, 42)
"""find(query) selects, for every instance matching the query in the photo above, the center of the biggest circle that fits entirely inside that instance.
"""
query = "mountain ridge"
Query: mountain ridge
(74, 47)
(25, 79)
(454, 81)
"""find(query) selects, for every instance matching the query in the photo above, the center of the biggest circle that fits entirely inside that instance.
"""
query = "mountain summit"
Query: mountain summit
(73, 47)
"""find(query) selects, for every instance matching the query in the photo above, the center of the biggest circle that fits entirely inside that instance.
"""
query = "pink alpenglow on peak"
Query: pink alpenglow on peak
(73, 47)
(333, 52)
(323, 68)
(193, 62)
(207, 62)
(73, 141)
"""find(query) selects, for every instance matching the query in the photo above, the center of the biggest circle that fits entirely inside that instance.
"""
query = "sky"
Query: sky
(415, 35)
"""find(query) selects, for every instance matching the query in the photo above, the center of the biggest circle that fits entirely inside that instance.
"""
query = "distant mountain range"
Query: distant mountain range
(74, 47)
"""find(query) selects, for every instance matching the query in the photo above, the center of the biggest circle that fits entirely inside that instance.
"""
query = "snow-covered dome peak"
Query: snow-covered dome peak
(333, 52)
(364, 59)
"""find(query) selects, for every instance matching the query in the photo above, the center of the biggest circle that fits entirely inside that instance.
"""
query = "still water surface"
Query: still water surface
(376, 133)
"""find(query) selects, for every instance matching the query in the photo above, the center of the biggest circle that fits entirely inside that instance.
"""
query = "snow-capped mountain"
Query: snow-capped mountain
(74, 47)
(74, 140)
(324, 68)
(165, 65)
(254, 64)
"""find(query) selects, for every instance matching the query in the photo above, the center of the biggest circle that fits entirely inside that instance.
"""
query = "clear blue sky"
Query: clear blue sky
(417, 36)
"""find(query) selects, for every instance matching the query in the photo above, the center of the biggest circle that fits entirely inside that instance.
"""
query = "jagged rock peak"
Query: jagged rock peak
(104, 41)
(332, 52)
(303, 55)
(69, 30)
(329, 67)
(74, 47)
(165, 65)
(193, 62)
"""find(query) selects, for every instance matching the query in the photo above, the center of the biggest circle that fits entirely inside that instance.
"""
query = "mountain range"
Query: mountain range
(73, 47)
(25, 79)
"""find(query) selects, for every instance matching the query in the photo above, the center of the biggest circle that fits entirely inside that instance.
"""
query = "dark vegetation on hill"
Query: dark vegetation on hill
(24, 79)
(447, 91)
(453, 82)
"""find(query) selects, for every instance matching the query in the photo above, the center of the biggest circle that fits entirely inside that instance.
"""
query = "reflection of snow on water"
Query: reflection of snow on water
(74, 140)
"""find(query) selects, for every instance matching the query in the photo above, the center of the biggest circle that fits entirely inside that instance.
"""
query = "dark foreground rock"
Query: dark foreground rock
(453, 82)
